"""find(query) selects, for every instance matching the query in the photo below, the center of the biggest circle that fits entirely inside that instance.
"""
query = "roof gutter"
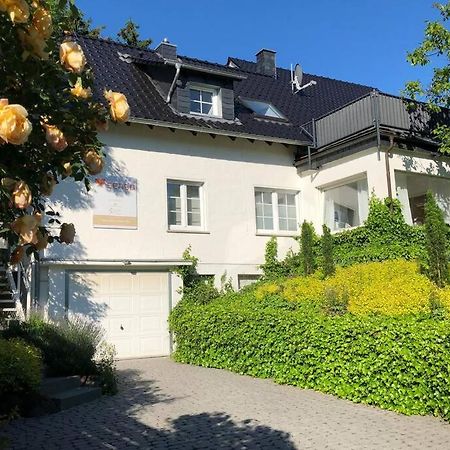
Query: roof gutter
(193, 128)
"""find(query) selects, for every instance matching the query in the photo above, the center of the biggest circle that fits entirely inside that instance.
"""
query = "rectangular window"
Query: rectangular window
(247, 280)
(184, 205)
(411, 189)
(204, 101)
(346, 206)
(276, 211)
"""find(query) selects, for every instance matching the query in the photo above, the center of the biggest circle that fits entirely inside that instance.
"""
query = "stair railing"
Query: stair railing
(16, 290)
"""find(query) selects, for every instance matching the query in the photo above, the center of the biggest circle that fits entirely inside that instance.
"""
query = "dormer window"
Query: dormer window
(262, 109)
(204, 101)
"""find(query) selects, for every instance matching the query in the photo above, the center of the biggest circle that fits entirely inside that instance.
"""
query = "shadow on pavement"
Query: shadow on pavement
(113, 422)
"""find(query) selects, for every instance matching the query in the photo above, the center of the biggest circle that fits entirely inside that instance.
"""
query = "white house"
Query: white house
(221, 157)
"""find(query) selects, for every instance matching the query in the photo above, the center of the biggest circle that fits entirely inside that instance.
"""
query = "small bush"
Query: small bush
(20, 374)
(335, 301)
(106, 372)
(272, 268)
(67, 347)
(201, 293)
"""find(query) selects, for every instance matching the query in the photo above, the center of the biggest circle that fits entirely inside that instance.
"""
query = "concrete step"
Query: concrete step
(76, 396)
(53, 385)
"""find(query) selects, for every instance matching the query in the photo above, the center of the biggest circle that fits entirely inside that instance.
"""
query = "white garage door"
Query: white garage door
(133, 308)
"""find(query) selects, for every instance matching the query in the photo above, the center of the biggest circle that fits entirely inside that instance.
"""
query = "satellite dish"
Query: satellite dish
(298, 76)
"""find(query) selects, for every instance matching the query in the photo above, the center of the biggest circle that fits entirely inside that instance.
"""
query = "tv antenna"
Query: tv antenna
(297, 78)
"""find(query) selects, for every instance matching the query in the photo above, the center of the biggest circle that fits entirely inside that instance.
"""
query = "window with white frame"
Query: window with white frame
(411, 189)
(204, 101)
(347, 205)
(276, 211)
(184, 205)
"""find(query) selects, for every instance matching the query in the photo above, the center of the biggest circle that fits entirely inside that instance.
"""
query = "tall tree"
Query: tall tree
(129, 35)
(67, 16)
(434, 52)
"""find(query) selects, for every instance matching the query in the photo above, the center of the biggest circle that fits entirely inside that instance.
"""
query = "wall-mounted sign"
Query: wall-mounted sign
(115, 202)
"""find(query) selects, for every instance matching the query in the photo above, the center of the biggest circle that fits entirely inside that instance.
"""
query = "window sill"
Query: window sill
(202, 116)
(187, 230)
(278, 233)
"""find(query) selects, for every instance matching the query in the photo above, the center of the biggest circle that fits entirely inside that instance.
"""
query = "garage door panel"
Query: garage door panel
(118, 305)
(134, 309)
(151, 304)
(151, 325)
(152, 283)
(121, 283)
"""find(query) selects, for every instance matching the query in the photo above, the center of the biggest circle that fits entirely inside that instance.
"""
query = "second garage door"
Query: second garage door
(133, 308)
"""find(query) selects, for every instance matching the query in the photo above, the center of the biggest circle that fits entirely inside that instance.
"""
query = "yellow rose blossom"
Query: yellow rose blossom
(14, 125)
(47, 185)
(79, 91)
(67, 169)
(21, 195)
(42, 240)
(18, 10)
(94, 162)
(72, 57)
(118, 106)
(33, 43)
(26, 227)
(17, 255)
(55, 137)
(67, 234)
(42, 22)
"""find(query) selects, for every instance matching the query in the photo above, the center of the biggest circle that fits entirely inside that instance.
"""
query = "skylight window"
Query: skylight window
(263, 108)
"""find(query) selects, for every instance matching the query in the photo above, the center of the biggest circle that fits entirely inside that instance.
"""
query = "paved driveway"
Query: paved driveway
(165, 405)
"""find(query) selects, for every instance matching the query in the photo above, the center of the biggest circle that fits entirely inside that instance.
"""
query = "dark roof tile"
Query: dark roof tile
(113, 72)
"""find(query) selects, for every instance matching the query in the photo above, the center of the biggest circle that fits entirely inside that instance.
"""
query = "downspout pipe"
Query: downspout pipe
(387, 155)
(172, 86)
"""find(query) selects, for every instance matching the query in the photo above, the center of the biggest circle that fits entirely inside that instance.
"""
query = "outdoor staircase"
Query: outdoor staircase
(66, 392)
(7, 300)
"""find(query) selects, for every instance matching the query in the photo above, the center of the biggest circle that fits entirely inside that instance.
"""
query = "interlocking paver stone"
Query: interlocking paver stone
(163, 405)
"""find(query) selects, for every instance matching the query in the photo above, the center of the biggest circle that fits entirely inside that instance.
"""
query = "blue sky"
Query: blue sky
(363, 41)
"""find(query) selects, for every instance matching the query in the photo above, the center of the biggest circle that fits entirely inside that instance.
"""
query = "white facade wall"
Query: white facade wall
(230, 171)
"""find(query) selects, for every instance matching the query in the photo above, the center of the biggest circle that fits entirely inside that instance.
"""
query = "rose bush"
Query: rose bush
(49, 120)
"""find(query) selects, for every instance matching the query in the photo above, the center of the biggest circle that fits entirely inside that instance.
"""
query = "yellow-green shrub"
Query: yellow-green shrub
(301, 289)
(392, 287)
(267, 289)
(388, 287)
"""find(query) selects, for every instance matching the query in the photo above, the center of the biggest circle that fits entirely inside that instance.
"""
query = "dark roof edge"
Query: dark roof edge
(185, 127)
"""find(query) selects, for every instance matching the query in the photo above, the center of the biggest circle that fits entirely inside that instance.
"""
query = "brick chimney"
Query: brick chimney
(167, 50)
(265, 62)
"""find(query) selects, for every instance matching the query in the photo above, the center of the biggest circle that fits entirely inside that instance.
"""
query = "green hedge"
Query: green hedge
(402, 364)
(384, 235)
